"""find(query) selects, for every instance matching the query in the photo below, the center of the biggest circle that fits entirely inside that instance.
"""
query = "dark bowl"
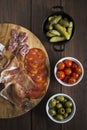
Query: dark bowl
(59, 45)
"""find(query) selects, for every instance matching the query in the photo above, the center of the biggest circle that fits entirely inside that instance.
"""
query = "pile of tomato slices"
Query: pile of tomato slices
(68, 71)
(35, 63)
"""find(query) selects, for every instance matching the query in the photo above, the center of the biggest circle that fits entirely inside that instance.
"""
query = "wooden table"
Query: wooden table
(30, 14)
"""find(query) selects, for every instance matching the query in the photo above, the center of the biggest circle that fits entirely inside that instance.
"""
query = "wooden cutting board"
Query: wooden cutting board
(8, 110)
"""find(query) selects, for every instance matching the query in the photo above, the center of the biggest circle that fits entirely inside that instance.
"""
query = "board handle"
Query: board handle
(59, 48)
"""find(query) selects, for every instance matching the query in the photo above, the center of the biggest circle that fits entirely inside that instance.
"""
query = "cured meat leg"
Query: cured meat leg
(17, 83)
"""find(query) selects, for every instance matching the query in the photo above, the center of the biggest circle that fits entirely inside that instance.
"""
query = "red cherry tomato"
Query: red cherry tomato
(74, 66)
(68, 63)
(75, 75)
(60, 74)
(60, 66)
(67, 71)
(72, 80)
(78, 70)
(66, 79)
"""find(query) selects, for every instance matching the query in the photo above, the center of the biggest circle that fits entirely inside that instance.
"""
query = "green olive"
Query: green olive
(52, 112)
(59, 105)
(52, 103)
(68, 110)
(65, 100)
(60, 98)
(59, 117)
(65, 115)
(68, 104)
(57, 101)
(61, 111)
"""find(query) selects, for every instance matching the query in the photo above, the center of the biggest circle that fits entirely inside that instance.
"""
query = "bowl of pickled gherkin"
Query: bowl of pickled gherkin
(58, 27)
(60, 108)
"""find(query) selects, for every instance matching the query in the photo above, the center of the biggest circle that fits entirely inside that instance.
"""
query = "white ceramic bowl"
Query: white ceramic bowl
(71, 114)
(78, 63)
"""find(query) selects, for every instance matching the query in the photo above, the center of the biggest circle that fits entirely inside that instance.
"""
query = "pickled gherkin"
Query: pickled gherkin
(55, 20)
(49, 34)
(49, 27)
(52, 33)
(70, 28)
(56, 39)
(55, 32)
(58, 28)
(64, 22)
(63, 31)
(52, 17)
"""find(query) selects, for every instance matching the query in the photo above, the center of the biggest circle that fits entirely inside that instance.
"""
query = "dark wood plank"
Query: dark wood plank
(77, 48)
(40, 11)
(22, 122)
(18, 12)
(30, 14)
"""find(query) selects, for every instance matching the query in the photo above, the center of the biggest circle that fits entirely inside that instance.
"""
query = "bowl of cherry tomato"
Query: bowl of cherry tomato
(68, 71)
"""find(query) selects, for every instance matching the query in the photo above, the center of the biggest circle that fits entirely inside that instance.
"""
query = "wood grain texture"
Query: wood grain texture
(31, 14)
(39, 13)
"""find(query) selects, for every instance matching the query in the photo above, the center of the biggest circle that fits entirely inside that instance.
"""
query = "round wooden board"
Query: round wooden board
(7, 110)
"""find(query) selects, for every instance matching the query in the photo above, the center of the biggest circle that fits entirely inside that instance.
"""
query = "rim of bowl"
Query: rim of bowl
(70, 116)
(75, 60)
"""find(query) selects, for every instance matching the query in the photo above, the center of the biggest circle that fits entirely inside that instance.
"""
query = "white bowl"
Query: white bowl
(71, 114)
(77, 62)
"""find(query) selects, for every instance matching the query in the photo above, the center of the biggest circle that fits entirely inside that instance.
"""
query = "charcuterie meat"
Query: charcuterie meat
(26, 74)
(35, 63)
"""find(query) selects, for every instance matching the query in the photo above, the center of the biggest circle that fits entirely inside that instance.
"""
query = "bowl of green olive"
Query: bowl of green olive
(58, 28)
(60, 108)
